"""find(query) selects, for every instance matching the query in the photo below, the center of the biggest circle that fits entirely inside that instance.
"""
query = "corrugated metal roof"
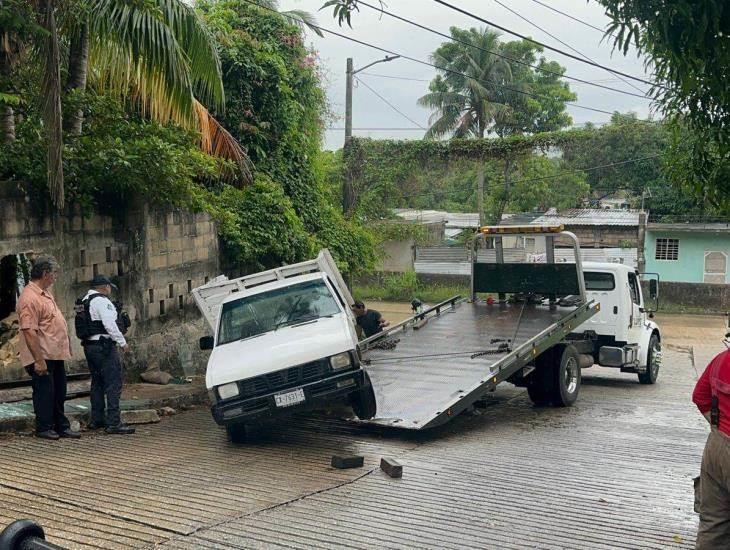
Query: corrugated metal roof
(590, 216)
(451, 219)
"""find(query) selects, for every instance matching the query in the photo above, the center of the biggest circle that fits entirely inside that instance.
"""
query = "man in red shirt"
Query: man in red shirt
(712, 397)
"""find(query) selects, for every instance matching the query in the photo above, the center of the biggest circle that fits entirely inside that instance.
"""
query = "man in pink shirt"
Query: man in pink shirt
(44, 347)
(712, 397)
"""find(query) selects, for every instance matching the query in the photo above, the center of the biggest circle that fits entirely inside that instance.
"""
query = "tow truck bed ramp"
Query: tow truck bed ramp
(422, 383)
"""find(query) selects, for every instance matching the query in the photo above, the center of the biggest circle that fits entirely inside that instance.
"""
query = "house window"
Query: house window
(171, 290)
(162, 307)
(667, 249)
(108, 254)
(190, 285)
(715, 267)
(152, 295)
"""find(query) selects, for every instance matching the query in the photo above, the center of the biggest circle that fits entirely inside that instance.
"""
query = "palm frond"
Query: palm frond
(217, 141)
(157, 52)
(304, 20)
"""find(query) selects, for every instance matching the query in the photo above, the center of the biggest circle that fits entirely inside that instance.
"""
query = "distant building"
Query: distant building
(688, 252)
(454, 222)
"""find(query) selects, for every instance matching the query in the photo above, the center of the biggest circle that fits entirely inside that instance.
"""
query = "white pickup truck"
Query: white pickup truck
(284, 340)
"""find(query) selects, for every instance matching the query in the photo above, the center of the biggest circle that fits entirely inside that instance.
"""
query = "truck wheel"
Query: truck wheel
(653, 361)
(566, 377)
(363, 401)
(237, 433)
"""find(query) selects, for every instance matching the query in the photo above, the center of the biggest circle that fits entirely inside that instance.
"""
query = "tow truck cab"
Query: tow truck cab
(625, 336)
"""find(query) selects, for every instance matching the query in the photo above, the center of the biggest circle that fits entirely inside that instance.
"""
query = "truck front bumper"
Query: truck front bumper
(245, 410)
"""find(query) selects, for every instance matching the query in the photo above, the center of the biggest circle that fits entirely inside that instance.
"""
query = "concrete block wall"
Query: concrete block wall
(141, 250)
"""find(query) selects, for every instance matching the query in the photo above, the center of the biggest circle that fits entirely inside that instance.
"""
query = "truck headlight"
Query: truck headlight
(226, 391)
(340, 361)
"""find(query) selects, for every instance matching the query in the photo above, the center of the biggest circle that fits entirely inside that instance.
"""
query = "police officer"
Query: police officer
(103, 357)
(712, 397)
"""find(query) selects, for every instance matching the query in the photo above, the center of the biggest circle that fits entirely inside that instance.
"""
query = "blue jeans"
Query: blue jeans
(106, 382)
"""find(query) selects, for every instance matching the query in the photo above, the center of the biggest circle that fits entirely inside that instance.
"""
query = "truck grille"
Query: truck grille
(283, 379)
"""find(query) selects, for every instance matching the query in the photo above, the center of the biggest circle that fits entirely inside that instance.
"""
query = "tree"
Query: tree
(488, 86)
(157, 54)
(687, 46)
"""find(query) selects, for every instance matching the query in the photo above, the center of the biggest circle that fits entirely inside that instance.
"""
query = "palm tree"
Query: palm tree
(468, 99)
(157, 53)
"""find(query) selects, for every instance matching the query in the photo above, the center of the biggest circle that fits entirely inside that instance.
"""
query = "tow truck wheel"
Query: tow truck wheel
(653, 362)
(237, 433)
(566, 375)
(363, 401)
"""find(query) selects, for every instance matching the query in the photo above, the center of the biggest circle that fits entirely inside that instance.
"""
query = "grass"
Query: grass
(405, 287)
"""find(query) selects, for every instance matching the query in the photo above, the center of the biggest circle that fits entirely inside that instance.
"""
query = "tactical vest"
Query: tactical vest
(85, 327)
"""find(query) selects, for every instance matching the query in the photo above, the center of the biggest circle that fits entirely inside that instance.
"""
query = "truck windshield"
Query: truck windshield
(260, 313)
(599, 281)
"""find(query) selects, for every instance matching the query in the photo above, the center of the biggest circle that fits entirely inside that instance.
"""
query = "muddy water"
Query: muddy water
(395, 312)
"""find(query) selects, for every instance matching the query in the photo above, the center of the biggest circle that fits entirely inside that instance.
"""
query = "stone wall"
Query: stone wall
(155, 257)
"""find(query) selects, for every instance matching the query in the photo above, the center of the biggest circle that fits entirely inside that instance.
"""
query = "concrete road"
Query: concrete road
(614, 471)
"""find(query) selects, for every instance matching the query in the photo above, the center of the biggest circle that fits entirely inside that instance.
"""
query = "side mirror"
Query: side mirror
(206, 342)
(653, 288)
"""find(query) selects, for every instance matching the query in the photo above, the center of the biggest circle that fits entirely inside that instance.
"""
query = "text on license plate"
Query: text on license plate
(290, 398)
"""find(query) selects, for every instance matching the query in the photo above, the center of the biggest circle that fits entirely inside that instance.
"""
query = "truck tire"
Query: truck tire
(566, 376)
(652, 362)
(363, 401)
(237, 433)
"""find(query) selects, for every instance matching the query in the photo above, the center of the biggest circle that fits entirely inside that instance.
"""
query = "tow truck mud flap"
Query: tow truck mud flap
(430, 375)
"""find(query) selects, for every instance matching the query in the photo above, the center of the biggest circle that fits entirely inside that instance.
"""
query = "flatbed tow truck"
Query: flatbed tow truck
(444, 360)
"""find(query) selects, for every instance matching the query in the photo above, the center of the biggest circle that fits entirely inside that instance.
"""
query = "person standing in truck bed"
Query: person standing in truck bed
(369, 321)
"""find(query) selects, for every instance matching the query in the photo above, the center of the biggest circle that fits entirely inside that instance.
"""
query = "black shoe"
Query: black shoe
(95, 425)
(48, 434)
(70, 434)
(121, 429)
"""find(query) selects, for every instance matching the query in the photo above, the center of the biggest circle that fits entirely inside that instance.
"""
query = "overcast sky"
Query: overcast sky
(369, 111)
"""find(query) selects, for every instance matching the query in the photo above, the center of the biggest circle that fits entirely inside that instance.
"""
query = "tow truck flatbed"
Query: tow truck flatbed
(430, 375)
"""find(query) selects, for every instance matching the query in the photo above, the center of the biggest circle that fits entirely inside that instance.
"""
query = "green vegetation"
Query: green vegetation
(687, 44)
(255, 167)
(405, 287)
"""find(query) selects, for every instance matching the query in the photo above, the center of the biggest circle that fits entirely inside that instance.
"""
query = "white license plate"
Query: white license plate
(290, 398)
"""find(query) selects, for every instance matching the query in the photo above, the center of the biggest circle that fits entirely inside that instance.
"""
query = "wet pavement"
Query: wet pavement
(614, 471)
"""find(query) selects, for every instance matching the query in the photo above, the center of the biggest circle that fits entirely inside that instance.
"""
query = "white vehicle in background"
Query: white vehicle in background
(284, 340)
(623, 333)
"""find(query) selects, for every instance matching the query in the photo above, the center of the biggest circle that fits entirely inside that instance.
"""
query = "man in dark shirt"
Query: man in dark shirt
(369, 320)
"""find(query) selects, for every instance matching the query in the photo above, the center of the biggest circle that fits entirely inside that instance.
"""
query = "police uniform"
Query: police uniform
(712, 397)
(104, 362)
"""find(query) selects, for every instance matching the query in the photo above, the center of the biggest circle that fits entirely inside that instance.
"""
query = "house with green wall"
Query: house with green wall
(688, 252)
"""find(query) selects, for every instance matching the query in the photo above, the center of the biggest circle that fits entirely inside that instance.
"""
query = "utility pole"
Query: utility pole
(347, 198)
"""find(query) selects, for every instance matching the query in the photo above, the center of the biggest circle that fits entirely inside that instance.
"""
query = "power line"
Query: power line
(389, 104)
(426, 63)
(599, 29)
(465, 43)
(397, 77)
(558, 39)
(405, 129)
(551, 48)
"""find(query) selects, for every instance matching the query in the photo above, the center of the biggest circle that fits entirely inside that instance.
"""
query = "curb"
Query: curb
(19, 417)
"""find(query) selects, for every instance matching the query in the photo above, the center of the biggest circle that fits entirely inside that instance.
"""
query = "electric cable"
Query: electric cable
(546, 46)
(518, 61)
(426, 63)
(556, 10)
(556, 38)
(389, 104)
